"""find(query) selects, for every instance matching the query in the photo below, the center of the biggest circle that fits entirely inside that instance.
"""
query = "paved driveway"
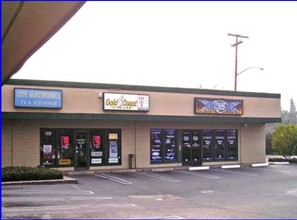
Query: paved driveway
(262, 192)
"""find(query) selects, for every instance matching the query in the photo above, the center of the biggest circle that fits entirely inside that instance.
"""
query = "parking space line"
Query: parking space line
(113, 178)
(44, 192)
(193, 173)
(237, 172)
(164, 178)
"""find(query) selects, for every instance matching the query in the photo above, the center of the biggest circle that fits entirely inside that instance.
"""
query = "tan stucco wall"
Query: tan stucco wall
(135, 140)
(76, 100)
(20, 143)
(252, 139)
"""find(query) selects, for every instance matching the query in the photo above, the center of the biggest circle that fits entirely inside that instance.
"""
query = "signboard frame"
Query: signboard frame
(217, 106)
(119, 102)
(26, 98)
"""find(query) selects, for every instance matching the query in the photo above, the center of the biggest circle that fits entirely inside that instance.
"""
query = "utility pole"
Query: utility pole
(235, 45)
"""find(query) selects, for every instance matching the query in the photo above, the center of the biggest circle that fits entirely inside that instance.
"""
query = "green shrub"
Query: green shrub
(277, 159)
(29, 173)
(281, 159)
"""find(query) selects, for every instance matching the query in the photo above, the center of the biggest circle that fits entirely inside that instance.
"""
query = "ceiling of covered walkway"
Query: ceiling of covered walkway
(26, 26)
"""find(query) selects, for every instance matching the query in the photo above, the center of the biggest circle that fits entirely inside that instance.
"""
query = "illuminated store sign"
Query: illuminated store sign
(37, 98)
(218, 106)
(126, 102)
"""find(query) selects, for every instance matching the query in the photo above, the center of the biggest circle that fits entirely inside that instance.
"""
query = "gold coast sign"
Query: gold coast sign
(125, 102)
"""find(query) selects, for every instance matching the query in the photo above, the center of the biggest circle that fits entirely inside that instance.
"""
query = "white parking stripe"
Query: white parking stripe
(237, 172)
(164, 178)
(44, 191)
(113, 178)
(193, 173)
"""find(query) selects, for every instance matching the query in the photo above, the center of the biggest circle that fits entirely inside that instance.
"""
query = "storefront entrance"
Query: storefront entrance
(191, 148)
(81, 150)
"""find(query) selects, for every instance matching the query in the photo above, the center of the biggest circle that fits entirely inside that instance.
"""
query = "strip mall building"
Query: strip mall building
(74, 126)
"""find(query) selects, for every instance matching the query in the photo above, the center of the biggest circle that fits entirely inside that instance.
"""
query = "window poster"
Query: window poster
(195, 140)
(219, 144)
(156, 145)
(96, 141)
(170, 145)
(232, 144)
(207, 144)
(113, 149)
(65, 142)
(186, 139)
(47, 152)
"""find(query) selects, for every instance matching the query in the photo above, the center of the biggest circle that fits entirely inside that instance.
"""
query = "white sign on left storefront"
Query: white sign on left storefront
(126, 102)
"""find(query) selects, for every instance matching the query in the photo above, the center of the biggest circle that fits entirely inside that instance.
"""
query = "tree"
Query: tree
(285, 117)
(284, 140)
(292, 114)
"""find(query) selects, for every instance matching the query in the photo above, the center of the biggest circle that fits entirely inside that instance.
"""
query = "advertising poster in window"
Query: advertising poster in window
(96, 141)
(207, 143)
(156, 145)
(232, 144)
(170, 145)
(65, 142)
(47, 152)
(113, 152)
(219, 144)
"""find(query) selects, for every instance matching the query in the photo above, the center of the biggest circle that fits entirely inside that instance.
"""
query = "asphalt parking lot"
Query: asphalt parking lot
(249, 192)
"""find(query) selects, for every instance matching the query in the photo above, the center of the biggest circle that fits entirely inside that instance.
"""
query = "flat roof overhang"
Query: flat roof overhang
(130, 117)
(26, 26)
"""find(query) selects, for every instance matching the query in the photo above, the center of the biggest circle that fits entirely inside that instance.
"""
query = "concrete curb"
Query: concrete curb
(65, 179)
(260, 165)
(230, 166)
(199, 168)
(279, 163)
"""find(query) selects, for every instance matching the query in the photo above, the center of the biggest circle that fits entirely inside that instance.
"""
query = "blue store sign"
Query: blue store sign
(37, 98)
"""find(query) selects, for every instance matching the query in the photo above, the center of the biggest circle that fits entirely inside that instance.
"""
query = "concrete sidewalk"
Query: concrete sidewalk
(65, 179)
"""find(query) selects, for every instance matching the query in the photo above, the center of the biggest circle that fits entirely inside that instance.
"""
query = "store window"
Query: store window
(207, 145)
(219, 144)
(65, 144)
(114, 150)
(47, 147)
(232, 144)
(191, 147)
(97, 147)
(80, 148)
(163, 145)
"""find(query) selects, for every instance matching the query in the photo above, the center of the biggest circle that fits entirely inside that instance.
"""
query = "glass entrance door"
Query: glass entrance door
(191, 148)
(81, 157)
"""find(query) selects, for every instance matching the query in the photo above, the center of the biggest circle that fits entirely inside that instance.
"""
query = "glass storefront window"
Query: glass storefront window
(163, 145)
(232, 144)
(156, 144)
(65, 144)
(219, 144)
(80, 148)
(207, 145)
(47, 147)
(97, 145)
(170, 145)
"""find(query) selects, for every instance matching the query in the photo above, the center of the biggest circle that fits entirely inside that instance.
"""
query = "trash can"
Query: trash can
(132, 161)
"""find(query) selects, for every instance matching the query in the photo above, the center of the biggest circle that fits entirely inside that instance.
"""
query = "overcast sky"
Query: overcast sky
(175, 44)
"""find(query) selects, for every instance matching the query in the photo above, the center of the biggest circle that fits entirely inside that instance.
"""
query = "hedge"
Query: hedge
(29, 173)
(281, 159)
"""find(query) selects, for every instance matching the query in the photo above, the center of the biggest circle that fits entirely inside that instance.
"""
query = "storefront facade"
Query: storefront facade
(73, 126)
